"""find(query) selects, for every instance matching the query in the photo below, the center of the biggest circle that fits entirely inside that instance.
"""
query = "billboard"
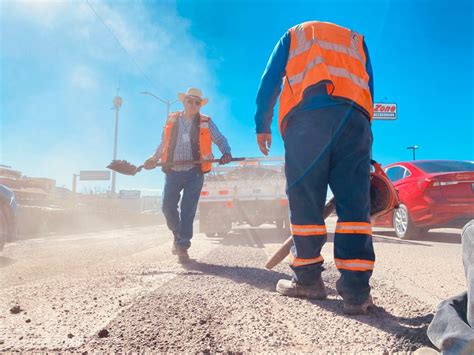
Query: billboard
(94, 175)
(383, 111)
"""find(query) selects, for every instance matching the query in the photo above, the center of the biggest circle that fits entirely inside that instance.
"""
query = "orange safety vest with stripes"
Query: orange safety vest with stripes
(325, 52)
(204, 146)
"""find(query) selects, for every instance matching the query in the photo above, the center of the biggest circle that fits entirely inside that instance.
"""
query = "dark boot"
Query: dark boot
(362, 308)
(292, 289)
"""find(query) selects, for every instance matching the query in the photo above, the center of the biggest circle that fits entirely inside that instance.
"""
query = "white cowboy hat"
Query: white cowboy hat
(194, 93)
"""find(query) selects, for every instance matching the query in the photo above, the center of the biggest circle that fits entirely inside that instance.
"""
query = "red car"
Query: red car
(433, 194)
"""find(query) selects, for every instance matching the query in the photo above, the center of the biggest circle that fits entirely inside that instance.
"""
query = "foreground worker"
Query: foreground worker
(187, 135)
(325, 111)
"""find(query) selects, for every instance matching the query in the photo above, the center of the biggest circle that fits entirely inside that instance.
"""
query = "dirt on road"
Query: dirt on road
(124, 291)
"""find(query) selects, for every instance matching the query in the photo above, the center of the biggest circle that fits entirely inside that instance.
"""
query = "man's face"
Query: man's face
(192, 105)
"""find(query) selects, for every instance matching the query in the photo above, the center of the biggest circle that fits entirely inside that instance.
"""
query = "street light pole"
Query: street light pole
(117, 104)
(413, 148)
(168, 103)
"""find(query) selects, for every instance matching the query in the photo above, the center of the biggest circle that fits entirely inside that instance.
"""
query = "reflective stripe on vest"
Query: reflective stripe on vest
(355, 264)
(304, 45)
(308, 230)
(205, 141)
(324, 52)
(354, 228)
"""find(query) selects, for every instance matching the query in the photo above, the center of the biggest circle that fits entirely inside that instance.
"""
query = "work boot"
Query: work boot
(293, 289)
(362, 308)
(183, 255)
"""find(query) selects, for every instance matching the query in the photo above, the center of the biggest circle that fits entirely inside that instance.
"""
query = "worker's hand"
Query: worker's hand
(150, 163)
(264, 141)
(225, 159)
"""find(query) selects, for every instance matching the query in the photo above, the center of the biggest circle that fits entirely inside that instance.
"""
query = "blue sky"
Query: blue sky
(60, 69)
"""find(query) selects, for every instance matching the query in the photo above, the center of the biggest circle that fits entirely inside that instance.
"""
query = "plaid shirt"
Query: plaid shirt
(183, 150)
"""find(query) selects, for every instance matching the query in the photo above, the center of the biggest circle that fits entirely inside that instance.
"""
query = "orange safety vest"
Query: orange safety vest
(204, 148)
(325, 52)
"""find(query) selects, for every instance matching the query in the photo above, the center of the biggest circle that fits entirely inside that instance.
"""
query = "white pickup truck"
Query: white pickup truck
(248, 192)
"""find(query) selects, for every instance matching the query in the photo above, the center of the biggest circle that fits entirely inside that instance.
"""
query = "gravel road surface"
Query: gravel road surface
(122, 290)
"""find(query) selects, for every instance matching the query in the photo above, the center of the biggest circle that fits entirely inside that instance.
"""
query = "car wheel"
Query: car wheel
(404, 228)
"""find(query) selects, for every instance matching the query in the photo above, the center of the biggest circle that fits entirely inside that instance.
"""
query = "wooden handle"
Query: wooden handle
(284, 250)
(280, 254)
(183, 162)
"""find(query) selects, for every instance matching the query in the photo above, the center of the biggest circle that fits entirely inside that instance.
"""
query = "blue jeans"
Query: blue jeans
(181, 222)
(451, 329)
(345, 166)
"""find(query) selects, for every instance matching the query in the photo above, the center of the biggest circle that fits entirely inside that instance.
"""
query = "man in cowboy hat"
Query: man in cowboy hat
(187, 135)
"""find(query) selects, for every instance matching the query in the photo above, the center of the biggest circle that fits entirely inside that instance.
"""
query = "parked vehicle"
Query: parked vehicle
(433, 194)
(250, 192)
(8, 212)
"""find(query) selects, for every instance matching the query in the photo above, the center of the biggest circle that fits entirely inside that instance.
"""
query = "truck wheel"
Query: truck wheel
(211, 235)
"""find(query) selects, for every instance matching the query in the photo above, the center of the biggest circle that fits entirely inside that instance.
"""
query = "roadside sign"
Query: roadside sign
(129, 194)
(383, 111)
(91, 175)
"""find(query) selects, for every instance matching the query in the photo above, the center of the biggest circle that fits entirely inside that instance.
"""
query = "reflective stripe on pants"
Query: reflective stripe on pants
(345, 166)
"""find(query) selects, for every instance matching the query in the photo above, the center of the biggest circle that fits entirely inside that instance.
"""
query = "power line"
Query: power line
(120, 44)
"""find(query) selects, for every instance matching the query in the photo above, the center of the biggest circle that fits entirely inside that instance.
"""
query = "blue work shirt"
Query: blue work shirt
(270, 87)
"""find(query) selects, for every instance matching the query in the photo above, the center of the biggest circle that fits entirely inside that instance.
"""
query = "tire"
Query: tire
(210, 235)
(404, 227)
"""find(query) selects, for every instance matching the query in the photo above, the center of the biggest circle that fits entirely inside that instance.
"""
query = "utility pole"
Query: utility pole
(168, 103)
(117, 104)
(413, 148)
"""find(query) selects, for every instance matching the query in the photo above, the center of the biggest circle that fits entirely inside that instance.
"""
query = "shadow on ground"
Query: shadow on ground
(410, 331)
(256, 277)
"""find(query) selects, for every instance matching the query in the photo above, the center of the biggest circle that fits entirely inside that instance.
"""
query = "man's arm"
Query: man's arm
(221, 142)
(270, 84)
(218, 138)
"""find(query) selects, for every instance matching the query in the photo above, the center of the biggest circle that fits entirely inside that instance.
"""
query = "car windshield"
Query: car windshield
(444, 166)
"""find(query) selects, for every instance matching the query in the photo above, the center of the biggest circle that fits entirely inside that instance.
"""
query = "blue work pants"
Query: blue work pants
(181, 222)
(330, 145)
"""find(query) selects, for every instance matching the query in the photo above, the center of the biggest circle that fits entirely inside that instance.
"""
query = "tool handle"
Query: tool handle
(183, 162)
(284, 250)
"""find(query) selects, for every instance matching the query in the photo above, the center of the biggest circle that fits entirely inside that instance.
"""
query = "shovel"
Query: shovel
(127, 168)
